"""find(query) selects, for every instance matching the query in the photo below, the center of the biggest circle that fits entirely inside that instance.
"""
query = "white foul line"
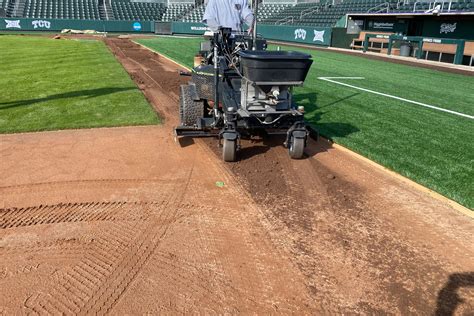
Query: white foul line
(330, 79)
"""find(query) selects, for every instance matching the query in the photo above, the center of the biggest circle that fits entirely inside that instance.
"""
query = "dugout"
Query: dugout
(431, 36)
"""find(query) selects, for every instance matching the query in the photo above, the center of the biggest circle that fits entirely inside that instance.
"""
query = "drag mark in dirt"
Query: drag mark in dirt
(75, 182)
(108, 262)
(70, 212)
(112, 260)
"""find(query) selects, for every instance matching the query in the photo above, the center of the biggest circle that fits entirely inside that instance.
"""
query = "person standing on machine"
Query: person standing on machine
(228, 13)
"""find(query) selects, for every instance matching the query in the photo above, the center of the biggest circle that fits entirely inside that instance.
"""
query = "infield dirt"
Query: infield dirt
(125, 220)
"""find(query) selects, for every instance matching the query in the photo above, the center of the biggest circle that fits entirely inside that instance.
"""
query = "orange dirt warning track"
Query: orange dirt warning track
(125, 220)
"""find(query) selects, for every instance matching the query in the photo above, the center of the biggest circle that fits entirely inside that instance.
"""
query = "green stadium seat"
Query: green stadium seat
(67, 9)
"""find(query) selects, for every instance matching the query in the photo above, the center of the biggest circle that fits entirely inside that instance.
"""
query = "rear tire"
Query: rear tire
(296, 148)
(229, 150)
(189, 110)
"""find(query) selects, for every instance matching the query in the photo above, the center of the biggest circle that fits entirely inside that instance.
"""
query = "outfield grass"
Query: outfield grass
(51, 84)
(433, 148)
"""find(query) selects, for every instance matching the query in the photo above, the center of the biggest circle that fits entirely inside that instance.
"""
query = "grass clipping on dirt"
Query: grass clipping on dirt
(430, 147)
(52, 84)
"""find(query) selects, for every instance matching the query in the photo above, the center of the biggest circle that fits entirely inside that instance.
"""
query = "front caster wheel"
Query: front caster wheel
(296, 148)
(229, 150)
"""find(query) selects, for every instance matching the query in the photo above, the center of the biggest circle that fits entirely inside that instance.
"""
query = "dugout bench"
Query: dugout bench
(423, 48)
(377, 41)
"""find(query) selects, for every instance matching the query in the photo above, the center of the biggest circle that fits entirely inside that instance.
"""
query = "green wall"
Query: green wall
(15, 24)
(449, 29)
(341, 39)
(297, 34)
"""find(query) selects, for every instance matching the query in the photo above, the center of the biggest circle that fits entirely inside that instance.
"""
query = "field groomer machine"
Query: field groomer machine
(239, 89)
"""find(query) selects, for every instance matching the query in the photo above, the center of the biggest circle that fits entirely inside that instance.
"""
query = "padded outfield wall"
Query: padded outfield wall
(297, 34)
(15, 24)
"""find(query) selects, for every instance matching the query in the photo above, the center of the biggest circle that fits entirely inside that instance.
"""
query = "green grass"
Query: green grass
(51, 84)
(179, 49)
(433, 148)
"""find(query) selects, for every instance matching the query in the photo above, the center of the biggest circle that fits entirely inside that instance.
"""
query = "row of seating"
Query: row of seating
(176, 11)
(144, 11)
(61, 9)
(266, 11)
(461, 5)
(195, 15)
(331, 14)
(311, 14)
(293, 12)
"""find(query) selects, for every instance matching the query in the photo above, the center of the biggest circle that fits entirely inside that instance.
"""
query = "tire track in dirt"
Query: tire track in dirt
(112, 262)
(75, 182)
(115, 257)
(70, 212)
(287, 209)
(354, 259)
(83, 286)
(45, 251)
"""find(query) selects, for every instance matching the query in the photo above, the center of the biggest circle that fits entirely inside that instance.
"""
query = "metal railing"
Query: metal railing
(309, 11)
(285, 20)
(383, 7)
(414, 5)
(105, 9)
(434, 5)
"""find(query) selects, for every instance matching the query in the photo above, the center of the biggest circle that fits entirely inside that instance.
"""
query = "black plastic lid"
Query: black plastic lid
(273, 54)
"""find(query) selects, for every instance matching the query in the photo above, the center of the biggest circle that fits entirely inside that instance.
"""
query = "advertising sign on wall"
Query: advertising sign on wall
(385, 25)
(462, 29)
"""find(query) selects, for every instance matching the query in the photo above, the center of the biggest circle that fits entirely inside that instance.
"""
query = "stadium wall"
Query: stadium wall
(341, 38)
(297, 34)
(14, 24)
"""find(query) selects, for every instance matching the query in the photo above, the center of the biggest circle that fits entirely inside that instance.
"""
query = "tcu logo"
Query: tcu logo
(447, 28)
(300, 33)
(41, 24)
(13, 24)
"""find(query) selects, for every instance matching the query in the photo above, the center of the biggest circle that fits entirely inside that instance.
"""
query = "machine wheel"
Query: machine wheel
(189, 110)
(229, 150)
(296, 148)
